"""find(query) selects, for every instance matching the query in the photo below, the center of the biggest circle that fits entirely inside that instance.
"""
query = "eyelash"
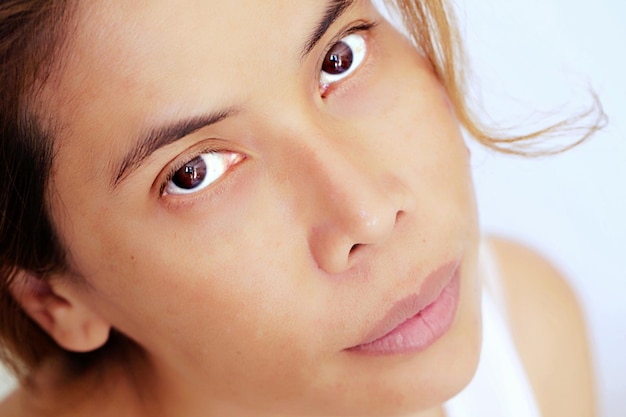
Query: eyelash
(182, 161)
(365, 26)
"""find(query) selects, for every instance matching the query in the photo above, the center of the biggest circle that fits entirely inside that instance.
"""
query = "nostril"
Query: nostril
(399, 214)
(354, 248)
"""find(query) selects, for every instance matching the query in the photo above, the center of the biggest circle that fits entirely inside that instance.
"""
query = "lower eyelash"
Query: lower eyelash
(178, 165)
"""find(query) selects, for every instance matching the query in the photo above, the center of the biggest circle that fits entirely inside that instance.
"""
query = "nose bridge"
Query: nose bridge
(348, 195)
(348, 183)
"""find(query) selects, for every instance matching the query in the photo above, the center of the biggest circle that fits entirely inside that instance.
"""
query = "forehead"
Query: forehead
(134, 63)
(139, 41)
(134, 28)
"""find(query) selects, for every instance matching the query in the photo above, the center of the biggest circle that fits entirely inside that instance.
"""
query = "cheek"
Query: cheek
(401, 106)
(408, 117)
(218, 277)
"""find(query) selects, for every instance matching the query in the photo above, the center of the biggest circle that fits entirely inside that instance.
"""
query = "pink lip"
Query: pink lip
(418, 320)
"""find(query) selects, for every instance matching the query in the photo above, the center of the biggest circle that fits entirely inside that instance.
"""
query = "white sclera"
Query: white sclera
(217, 163)
(358, 46)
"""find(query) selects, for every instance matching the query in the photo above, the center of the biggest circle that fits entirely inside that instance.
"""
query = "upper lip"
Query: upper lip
(412, 304)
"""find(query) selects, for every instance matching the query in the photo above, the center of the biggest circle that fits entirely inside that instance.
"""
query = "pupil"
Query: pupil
(338, 60)
(191, 175)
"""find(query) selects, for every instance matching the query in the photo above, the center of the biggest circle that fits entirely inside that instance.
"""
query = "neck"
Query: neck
(184, 398)
(141, 391)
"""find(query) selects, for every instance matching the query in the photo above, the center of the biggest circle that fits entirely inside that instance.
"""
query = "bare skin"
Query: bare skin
(332, 199)
(541, 306)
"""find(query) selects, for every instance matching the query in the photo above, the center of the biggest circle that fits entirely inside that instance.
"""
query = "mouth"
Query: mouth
(415, 322)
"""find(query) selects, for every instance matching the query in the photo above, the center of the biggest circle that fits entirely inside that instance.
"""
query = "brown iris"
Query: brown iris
(191, 174)
(338, 60)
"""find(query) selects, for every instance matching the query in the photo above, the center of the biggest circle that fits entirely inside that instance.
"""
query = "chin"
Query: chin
(402, 385)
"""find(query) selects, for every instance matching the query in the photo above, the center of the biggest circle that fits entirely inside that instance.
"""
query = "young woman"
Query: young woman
(258, 208)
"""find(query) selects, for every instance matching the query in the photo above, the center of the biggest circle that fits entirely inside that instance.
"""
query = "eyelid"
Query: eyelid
(168, 172)
(363, 26)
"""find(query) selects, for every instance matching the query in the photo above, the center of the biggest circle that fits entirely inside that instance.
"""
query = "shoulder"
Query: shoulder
(11, 406)
(53, 391)
(548, 329)
(24, 403)
(46, 394)
(21, 403)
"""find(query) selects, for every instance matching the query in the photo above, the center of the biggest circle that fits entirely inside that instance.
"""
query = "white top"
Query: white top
(500, 387)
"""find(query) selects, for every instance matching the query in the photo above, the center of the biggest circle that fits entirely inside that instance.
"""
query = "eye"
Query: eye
(200, 172)
(342, 59)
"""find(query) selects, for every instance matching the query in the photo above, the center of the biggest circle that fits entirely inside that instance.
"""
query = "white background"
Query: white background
(547, 55)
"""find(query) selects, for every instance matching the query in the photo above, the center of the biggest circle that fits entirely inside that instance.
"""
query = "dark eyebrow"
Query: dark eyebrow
(160, 136)
(334, 10)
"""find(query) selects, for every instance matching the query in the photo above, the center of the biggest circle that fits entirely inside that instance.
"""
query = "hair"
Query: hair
(431, 24)
(30, 37)
(33, 37)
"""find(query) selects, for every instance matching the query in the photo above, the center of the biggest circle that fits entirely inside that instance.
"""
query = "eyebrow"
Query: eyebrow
(334, 10)
(160, 136)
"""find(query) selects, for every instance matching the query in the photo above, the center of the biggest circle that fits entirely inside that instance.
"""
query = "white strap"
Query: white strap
(500, 387)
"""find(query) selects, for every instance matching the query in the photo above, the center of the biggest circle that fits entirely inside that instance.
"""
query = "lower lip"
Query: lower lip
(420, 331)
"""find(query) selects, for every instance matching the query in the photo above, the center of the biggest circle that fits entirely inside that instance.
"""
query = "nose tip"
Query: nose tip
(338, 246)
(374, 226)
(350, 201)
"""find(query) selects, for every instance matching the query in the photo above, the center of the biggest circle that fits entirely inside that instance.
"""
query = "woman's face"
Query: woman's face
(253, 195)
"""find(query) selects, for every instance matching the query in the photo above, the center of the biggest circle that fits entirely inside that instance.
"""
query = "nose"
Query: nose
(354, 202)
